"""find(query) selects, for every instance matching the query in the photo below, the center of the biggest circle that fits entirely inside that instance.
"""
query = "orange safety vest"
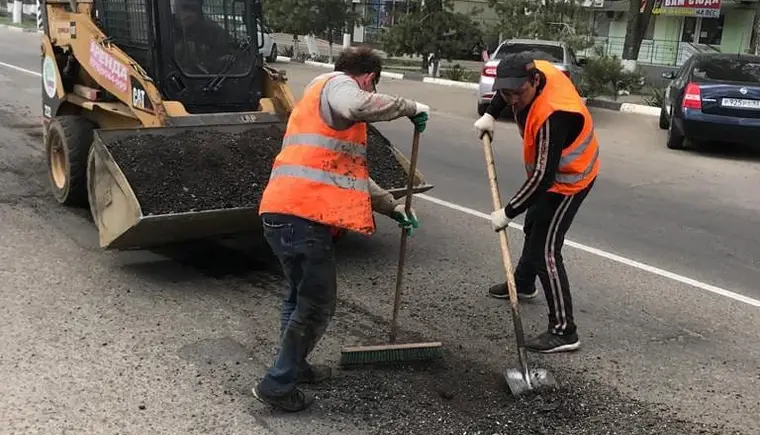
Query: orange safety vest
(579, 163)
(321, 174)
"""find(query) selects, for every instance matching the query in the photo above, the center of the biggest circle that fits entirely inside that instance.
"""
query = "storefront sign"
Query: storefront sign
(687, 8)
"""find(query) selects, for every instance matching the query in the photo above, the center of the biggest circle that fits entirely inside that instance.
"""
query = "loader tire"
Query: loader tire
(67, 144)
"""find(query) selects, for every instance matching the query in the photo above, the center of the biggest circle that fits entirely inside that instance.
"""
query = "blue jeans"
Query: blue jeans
(305, 251)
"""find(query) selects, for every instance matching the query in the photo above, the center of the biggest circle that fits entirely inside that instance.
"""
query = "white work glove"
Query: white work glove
(421, 108)
(485, 125)
(420, 117)
(409, 222)
(499, 220)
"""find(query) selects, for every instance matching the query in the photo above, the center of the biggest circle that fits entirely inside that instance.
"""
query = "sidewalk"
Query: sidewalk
(410, 63)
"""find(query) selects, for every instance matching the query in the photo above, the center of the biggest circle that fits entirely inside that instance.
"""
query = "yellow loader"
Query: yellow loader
(164, 118)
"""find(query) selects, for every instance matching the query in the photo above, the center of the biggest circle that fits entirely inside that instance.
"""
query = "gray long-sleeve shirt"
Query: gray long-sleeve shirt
(343, 103)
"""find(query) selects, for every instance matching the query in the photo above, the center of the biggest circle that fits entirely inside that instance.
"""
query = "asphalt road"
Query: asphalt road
(170, 341)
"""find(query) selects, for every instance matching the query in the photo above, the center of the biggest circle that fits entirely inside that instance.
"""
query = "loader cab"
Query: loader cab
(202, 53)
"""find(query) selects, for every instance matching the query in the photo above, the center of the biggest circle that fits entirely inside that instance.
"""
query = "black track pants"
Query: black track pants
(546, 223)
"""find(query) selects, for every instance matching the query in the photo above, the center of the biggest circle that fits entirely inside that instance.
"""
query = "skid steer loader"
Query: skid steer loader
(119, 69)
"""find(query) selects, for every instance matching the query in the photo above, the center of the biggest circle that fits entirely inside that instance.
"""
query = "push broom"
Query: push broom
(394, 352)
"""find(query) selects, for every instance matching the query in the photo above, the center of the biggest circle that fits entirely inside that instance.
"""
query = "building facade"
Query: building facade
(678, 29)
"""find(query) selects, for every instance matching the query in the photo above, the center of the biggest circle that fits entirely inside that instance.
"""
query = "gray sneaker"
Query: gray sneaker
(499, 291)
(293, 401)
(551, 343)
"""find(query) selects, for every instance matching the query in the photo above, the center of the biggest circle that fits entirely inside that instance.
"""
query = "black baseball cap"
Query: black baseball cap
(513, 71)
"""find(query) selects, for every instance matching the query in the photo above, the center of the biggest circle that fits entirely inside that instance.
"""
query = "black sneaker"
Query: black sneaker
(294, 401)
(314, 374)
(499, 291)
(550, 343)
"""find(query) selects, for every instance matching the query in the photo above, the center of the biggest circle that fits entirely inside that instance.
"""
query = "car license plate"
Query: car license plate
(740, 103)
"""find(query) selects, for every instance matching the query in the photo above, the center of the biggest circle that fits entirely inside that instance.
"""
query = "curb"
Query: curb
(19, 29)
(390, 75)
(446, 82)
(638, 109)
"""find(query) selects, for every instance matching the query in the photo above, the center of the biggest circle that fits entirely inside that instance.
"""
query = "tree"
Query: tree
(332, 16)
(542, 19)
(432, 30)
(639, 14)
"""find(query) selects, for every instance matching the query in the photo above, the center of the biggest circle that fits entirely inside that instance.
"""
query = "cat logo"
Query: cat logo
(247, 118)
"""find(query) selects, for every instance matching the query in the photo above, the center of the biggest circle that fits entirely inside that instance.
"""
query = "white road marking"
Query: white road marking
(610, 256)
(18, 68)
(591, 250)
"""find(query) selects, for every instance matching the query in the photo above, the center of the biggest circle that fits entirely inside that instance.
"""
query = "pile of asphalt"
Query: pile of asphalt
(459, 396)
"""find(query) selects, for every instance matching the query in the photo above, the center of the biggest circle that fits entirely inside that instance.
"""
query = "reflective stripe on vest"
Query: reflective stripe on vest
(317, 140)
(342, 181)
(573, 155)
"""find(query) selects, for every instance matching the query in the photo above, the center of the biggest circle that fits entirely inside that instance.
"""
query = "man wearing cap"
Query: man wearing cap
(561, 157)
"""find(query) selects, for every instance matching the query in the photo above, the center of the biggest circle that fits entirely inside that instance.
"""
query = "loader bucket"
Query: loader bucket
(153, 186)
(398, 188)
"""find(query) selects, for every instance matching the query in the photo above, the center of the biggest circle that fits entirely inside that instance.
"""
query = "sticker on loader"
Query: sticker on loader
(49, 79)
(108, 67)
(140, 98)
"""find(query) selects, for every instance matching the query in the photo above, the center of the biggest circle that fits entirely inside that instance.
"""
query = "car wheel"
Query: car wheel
(273, 55)
(482, 109)
(675, 138)
(664, 123)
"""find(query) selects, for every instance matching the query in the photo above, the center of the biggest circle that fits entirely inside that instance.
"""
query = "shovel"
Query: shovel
(523, 379)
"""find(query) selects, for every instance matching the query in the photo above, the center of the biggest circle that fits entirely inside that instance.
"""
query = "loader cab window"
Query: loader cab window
(213, 37)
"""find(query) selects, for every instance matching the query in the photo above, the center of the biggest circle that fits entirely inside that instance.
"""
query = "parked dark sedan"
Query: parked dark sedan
(713, 97)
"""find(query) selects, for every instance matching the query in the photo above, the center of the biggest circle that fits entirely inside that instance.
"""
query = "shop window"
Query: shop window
(689, 29)
(711, 30)
(381, 14)
(707, 31)
(601, 24)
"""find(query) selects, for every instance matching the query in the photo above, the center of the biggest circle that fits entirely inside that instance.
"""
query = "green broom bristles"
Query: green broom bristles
(390, 353)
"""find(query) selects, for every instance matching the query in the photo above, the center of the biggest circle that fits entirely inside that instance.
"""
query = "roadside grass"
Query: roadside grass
(26, 22)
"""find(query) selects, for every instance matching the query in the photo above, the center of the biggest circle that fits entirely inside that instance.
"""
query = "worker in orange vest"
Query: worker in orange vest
(561, 157)
(320, 181)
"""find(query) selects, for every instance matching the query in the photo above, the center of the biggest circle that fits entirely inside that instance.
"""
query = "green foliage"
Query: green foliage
(460, 74)
(657, 97)
(433, 28)
(562, 20)
(289, 16)
(308, 17)
(604, 75)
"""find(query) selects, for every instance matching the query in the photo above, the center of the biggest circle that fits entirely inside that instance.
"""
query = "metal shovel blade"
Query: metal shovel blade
(536, 379)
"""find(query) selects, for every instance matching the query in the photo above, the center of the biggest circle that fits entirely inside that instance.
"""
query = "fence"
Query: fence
(661, 52)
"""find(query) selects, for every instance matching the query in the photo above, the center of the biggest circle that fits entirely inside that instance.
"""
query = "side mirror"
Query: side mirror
(582, 61)
(484, 55)
(670, 75)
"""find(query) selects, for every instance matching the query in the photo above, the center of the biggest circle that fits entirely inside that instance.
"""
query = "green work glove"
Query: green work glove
(407, 222)
(420, 118)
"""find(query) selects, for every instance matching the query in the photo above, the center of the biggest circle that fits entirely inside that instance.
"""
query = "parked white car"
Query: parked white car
(269, 50)
(558, 53)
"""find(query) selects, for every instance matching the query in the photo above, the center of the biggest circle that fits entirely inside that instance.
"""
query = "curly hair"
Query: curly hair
(360, 60)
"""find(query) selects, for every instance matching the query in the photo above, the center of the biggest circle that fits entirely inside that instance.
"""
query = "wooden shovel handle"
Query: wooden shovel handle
(491, 166)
